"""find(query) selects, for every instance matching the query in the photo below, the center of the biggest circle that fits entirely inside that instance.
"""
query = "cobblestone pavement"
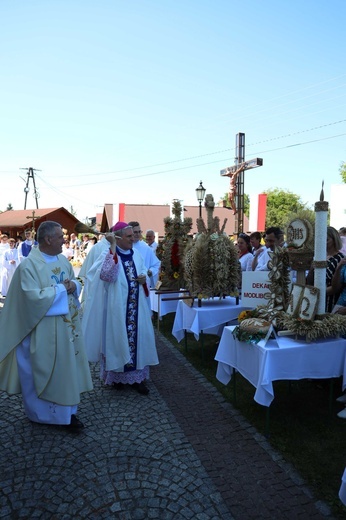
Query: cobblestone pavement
(181, 452)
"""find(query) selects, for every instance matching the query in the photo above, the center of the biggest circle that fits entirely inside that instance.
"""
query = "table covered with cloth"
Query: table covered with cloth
(284, 358)
(160, 304)
(210, 318)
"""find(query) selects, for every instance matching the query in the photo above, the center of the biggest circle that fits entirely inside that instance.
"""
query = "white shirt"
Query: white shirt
(246, 262)
(153, 246)
(151, 261)
(263, 260)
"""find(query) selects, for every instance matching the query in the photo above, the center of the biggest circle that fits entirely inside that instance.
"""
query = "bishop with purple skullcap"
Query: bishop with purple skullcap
(119, 225)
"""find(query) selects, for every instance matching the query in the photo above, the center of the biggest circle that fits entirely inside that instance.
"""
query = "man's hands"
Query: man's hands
(70, 286)
(141, 279)
(111, 238)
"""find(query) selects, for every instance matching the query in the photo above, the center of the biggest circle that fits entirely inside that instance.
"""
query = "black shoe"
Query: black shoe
(141, 388)
(75, 423)
(118, 386)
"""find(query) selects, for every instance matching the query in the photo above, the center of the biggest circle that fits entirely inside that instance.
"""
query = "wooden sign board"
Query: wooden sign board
(303, 302)
(255, 288)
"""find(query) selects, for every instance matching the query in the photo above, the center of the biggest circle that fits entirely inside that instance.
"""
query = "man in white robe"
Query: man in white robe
(150, 239)
(152, 263)
(101, 247)
(42, 351)
(116, 305)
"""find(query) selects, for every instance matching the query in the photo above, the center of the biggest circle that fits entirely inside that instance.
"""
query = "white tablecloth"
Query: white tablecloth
(291, 360)
(342, 491)
(210, 318)
(76, 270)
(163, 307)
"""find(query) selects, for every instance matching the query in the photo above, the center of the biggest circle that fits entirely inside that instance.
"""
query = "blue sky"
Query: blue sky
(136, 101)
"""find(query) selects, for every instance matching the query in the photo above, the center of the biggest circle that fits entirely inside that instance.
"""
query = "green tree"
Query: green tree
(9, 207)
(342, 171)
(280, 204)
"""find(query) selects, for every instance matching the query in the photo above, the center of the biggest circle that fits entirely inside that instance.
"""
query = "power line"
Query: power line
(206, 154)
(203, 164)
(270, 100)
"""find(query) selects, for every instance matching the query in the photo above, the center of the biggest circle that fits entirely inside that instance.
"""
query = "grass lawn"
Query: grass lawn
(301, 427)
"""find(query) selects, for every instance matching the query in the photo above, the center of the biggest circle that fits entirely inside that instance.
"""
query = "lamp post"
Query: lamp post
(200, 192)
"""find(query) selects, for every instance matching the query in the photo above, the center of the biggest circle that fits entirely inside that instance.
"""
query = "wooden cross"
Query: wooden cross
(236, 187)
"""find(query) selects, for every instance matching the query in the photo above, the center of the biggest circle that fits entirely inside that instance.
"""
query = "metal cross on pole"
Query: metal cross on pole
(33, 218)
(236, 174)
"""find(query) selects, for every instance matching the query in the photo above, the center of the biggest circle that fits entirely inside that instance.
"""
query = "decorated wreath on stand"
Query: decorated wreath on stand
(254, 324)
(291, 313)
(171, 249)
(211, 261)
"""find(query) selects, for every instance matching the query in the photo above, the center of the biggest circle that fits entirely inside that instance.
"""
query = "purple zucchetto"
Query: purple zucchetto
(119, 225)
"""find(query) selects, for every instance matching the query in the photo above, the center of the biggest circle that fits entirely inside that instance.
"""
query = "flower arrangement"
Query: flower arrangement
(251, 328)
(76, 263)
(244, 315)
(248, 337)
(171, 249)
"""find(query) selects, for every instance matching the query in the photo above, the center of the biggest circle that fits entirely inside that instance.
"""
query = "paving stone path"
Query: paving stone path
(181, 452)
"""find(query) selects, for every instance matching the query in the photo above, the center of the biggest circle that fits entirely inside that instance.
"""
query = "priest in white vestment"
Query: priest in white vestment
(116, 305)
(151, 262)
(42, 352)
(95, 252)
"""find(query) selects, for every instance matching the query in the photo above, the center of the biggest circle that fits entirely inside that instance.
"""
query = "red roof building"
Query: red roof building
(152, 217)
(14, 222)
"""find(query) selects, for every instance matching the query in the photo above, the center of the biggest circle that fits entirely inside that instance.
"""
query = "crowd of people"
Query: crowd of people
(56, 325)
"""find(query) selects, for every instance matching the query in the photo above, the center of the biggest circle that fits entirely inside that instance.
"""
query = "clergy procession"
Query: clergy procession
(47, 346)
(79, 311)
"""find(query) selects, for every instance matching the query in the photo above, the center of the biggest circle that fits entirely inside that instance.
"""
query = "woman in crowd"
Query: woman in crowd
(339, 287)
(244, 252)
(257, 247)
(334, 256)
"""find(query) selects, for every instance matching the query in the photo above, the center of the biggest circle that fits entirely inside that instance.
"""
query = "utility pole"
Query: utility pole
(30, 175)
(236, 174)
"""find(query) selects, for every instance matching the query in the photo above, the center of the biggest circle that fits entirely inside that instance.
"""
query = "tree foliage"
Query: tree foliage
(9, 207)
(342, 171)
(280, 204)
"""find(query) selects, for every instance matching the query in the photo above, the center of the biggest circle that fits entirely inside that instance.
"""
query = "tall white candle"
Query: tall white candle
(320, 258)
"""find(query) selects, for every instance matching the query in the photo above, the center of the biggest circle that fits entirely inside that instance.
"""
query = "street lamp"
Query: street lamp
(200, 192)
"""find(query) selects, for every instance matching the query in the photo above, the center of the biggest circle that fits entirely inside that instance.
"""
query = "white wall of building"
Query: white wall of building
(337, 205)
